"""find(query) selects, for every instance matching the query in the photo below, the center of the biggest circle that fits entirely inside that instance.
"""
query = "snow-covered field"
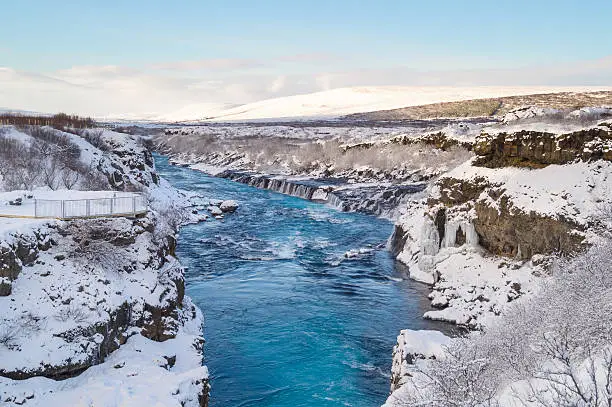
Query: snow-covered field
(343, 101)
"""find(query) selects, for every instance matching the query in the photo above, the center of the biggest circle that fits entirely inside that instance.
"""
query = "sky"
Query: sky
(118, 57)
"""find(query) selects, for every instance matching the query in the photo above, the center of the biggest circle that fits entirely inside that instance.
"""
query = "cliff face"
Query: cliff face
(503, 228)
(490, 229)
(537, 149)
(491, 226)
(381, 200)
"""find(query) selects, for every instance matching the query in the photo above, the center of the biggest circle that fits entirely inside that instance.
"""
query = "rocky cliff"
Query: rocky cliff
(490, 230)
(95, 310)
(375, 199)
(537, 149)
(526, 197)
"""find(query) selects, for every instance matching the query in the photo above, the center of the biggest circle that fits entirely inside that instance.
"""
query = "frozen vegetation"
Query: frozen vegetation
(551, 349)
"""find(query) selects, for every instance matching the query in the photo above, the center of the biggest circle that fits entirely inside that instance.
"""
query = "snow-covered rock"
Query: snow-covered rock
(411, 346)
(529, 112)
(228, 206)
(484, 234)
(215, 210)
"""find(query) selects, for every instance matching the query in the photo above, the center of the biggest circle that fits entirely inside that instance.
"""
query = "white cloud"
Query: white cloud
(118, 91)
(277, 85)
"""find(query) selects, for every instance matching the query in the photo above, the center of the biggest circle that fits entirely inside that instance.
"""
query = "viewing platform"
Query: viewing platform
(66, 205)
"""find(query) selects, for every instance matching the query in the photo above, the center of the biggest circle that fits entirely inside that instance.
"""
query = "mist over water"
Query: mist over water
(290, 319)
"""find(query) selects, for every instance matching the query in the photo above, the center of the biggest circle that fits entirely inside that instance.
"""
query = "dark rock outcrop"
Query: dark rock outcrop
(374, 200)
(513, 233)
(20, 251)
(535, 149)
(503, 229)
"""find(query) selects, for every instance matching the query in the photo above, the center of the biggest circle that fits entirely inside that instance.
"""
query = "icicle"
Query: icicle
(450, 233)
(430, 240)
(471, 236)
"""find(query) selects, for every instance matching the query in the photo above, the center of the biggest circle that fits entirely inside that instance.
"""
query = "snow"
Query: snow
(426, 343)
(414, 345)
(228, 205)
(59, 301)
(471, 285)
(474, 286)
(575, 191)
(343, 101)
(528, 112)
(196, 111)
(14, 134)
(215, 210)
(136, 374)
(27, 208)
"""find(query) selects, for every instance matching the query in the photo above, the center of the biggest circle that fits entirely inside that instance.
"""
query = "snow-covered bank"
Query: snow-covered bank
(371, 170)
(487, 238)
(551, 349)
(95, 310)
(505, 221)
(88, 300)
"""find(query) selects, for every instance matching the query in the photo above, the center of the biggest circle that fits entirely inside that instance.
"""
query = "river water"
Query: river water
(302, 303)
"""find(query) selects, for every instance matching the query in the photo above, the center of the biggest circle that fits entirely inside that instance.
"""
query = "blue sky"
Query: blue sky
(47, 35)
(353, 42)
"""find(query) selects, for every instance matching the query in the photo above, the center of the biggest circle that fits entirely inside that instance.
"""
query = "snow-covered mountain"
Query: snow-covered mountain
(343, 101)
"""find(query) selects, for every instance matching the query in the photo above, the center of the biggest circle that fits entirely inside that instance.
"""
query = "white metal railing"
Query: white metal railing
(85, 208)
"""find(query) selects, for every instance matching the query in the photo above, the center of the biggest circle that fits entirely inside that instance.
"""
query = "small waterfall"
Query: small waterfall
(301, 189)
(381, 200)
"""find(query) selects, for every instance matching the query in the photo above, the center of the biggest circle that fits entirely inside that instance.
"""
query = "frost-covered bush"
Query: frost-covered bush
(8, 334)
(31, 322)
(49, 159)
(170, 218)
(300, 155)
(554, 349)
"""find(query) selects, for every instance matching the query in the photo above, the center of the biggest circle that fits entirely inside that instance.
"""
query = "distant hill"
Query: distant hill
(490, 107)
(339, 102)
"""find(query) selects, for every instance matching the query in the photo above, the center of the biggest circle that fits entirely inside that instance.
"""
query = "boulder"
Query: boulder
(215, 210)
(229, 206)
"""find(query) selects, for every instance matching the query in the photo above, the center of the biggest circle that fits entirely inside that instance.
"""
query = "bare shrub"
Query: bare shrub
(72, 312)
(97, 245)
(22, 169)
(552, 350)
(93, 180)
(95, 138)
(50, 174)
(171, 218)
(8, 334)
(69, 178)
(31, 322)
